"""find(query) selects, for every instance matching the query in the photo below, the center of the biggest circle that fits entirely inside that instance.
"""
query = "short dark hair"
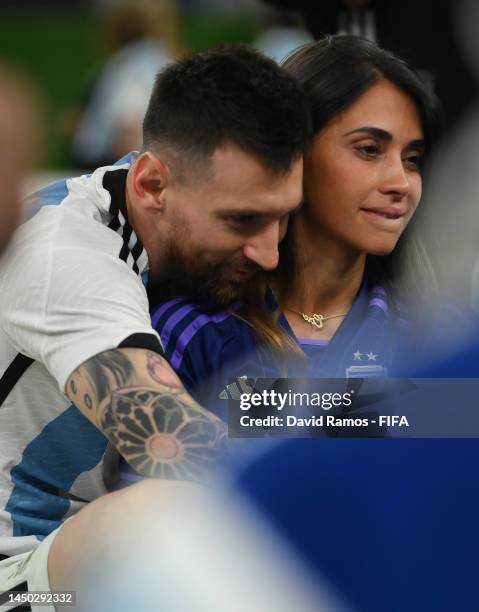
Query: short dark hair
(228, 94)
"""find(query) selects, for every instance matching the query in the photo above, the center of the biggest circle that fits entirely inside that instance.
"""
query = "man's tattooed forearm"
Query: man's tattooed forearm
(139, 403)
(164, 435)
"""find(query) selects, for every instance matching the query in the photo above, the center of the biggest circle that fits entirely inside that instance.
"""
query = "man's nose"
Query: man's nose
(262, 249)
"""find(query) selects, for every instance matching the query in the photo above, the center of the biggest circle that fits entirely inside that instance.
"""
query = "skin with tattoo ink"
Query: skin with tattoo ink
(150, 419)
(160, 372)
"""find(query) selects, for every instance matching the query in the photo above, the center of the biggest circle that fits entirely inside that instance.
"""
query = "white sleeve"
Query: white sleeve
(62, 304)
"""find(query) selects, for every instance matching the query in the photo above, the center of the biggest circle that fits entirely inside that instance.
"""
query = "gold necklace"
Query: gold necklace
(315, 319)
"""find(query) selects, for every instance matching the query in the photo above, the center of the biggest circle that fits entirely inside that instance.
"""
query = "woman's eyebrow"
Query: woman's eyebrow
(373, 131)
(417, 143)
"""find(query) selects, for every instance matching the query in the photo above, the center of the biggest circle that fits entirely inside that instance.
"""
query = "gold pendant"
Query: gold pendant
(316, 320)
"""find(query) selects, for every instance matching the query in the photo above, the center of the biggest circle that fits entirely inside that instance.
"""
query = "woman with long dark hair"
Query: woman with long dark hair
(349, 174)
(354, 290)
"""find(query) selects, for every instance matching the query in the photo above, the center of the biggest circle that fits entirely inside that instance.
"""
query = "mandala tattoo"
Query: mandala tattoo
(163, 436)
(143, 409)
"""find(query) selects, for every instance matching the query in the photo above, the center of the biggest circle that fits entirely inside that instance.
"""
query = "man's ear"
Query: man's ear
(150, 177)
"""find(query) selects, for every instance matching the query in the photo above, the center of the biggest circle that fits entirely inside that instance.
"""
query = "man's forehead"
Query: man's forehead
(259, 211)
(248, 189)
(235, 161)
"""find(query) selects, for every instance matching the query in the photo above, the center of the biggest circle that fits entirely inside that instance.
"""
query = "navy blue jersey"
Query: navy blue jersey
(377, 338)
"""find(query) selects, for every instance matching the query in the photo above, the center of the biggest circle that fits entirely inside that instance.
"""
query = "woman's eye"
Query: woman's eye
(370, 150)
(414, 161)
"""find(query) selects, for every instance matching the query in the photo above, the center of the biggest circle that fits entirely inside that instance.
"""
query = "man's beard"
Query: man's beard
(185, 273)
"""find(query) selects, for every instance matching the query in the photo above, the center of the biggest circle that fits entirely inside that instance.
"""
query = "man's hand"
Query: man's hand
(138, 402)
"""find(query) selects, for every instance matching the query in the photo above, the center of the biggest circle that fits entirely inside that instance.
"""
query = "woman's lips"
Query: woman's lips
(390, 213)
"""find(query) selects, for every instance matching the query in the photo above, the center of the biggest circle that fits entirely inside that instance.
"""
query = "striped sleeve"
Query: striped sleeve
(192, 338)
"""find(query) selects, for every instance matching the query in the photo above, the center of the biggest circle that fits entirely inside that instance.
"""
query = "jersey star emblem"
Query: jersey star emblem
(357, 355)
(371, 356)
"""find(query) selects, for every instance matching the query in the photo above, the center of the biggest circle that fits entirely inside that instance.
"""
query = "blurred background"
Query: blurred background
(90, 64)
(72, 54)
(81, 54)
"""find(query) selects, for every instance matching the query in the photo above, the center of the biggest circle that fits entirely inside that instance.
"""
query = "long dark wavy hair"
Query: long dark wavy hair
(334, 72)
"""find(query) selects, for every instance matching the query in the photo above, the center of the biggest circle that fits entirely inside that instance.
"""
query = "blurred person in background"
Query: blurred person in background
(453, 219)
(282, 33)
(17, 146)
(81, 366)
(312, 525)
(204, 551)
(452, 198)
(354, 290)
(140, 37)
(388, 524)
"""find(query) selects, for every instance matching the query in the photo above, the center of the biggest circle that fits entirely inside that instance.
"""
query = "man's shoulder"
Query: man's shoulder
(77, 213)
(74, 246)
(76, 191)
(56, 230)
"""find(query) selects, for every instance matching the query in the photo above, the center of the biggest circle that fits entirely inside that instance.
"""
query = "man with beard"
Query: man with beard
(80, 364)
(223, 272)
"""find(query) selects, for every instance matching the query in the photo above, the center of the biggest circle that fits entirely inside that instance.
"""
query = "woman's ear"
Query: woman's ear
(150, 177)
